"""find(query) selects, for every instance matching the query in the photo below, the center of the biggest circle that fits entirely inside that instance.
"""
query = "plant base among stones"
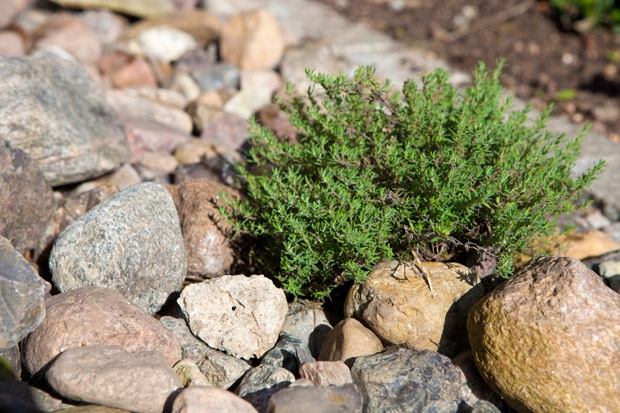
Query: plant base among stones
(374, 176)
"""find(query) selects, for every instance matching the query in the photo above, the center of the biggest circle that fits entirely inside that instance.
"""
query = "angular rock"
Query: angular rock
(111, 376)
(402, 380)
(26, 199)
(199, 399)
(50, 108)
(21, 296)
(262, 382)
(95, 316)
(240, 315)
(326, 373)
(148, 136)
(216, 76)
(229, 132)
(549, 338)
(399, 306)
(252, 40)
(308, 322)
(136, 73)
(138, 8)
(131, 242)
(220, 370)
(289, 353)
(349, 339)
(332, 399)
(190, 374)
(205, 232)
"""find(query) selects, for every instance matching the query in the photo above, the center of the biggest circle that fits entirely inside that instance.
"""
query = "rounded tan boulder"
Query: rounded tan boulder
(548, 339)
(400, 306)
(252, 40)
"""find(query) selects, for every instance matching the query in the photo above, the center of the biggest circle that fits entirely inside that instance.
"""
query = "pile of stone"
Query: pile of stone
(119, 128)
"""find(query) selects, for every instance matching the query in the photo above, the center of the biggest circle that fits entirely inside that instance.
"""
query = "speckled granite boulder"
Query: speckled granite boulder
(51, 108)
(130, 242)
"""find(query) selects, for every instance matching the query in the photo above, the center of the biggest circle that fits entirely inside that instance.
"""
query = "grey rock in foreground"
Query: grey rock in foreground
(240, 315)
(402, 380)
(332, 399)
(290, 353)
(95, 316)
(130, 242)
(26, 199)
(22, 293)
(262, 382)
(51, 108)
(111, 376)
(220, 369)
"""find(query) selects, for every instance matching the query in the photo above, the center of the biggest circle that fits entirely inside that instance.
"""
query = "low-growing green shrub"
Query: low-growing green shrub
(375, 176)
(605, 12)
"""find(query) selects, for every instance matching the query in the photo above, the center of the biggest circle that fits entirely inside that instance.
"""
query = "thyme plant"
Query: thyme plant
(375, 176)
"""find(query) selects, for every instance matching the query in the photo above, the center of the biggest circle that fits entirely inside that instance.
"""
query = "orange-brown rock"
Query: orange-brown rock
(252, 40)
(548, 339)
(349, 339)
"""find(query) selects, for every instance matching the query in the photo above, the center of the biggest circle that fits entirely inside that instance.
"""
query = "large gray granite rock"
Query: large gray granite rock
(51, 108)
(130, 242)
(21, 296)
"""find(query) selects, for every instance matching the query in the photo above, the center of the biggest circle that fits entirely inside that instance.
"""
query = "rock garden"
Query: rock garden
(260, 206)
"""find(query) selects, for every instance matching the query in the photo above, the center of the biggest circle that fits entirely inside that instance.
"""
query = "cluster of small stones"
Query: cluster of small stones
(117, 140)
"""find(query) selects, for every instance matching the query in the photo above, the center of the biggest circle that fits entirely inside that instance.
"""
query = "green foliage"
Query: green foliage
(374, 176)
(606, 12)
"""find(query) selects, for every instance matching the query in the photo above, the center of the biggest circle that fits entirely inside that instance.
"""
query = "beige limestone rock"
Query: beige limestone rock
(252, 40)
(240, 315)
(349, 339)
(396, 303)
(548, 339)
